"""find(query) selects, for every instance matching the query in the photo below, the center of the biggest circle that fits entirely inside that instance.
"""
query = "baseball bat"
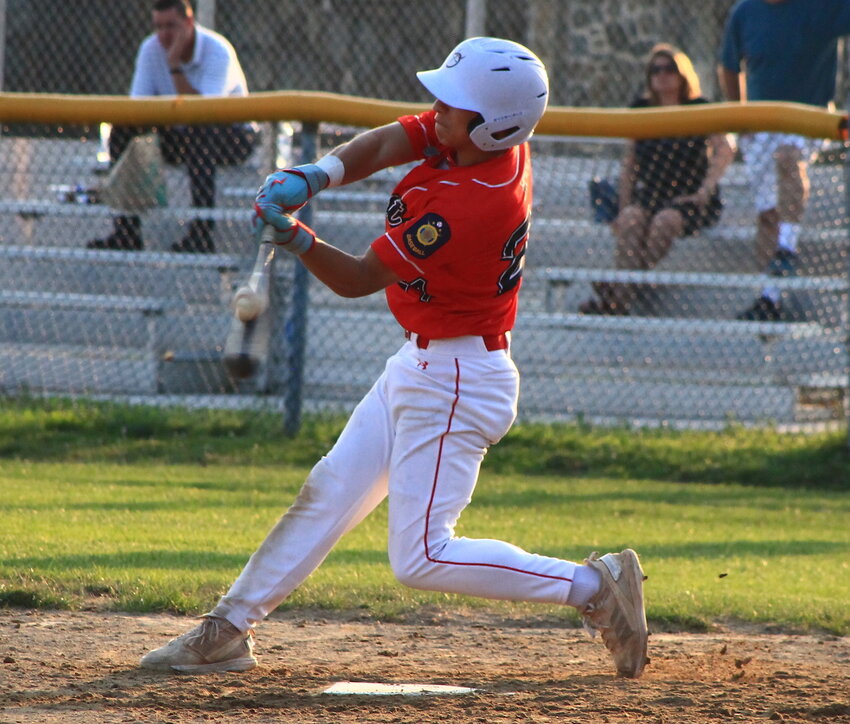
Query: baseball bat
(247, 345)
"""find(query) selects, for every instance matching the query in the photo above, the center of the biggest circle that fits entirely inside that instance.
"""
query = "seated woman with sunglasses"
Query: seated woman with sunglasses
(668, 186)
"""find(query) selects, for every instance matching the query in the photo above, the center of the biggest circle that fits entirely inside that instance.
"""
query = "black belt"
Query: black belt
(492, 342)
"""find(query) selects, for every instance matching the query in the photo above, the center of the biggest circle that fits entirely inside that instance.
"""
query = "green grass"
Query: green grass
(137, 509)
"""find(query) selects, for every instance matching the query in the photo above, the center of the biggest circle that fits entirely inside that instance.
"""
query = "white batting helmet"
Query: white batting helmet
(500, 79)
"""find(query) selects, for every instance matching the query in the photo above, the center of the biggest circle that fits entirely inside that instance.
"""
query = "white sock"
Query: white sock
(788, 235)
(585, 586)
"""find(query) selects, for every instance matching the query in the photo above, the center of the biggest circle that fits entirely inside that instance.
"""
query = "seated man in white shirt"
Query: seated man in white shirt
(183, 58)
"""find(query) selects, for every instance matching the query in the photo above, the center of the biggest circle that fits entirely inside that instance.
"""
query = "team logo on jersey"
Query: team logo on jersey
(396, 210)
(427, 235)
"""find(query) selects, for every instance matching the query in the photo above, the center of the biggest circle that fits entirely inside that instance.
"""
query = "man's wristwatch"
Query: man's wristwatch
(174, 71)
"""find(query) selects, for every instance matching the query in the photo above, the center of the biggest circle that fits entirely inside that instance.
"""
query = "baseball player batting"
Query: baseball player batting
(450, 262)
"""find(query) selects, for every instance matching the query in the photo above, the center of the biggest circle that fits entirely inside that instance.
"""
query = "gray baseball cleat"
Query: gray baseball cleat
(617, 611)
(213, 645)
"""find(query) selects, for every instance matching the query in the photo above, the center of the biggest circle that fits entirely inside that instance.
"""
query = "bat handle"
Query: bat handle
(267, 235)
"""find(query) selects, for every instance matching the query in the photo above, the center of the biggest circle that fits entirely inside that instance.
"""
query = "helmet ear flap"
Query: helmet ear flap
(474, 123)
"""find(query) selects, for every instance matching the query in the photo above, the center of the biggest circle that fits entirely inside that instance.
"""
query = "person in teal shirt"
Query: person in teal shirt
(780, 50)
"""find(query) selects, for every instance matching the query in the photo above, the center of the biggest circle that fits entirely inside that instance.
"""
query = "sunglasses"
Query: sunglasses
(658, 68)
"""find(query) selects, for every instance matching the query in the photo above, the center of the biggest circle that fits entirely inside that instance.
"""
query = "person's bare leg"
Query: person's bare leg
(767, 234)
(666, 226)
(792, 195)
(630, 231)
(793, 184)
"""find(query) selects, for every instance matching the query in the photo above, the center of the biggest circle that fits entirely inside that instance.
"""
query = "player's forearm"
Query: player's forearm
(626, 184)
(373, 150)
(722, 155)
(182, 85)
(287, 190)
(347, 275)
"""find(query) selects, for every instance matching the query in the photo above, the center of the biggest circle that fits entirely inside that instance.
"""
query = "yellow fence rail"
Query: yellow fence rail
(369, 112)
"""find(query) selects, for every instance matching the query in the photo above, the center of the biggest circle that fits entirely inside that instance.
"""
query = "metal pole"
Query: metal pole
(206, 13)
(847, 336)
(476, 18)
(847, 320)
(846, 223)
(296, 327)
(2, 44)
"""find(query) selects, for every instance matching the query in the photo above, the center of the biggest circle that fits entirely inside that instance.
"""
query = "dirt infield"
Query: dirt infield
(80, 667)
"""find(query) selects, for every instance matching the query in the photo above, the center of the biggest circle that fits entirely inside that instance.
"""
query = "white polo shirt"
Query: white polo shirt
(214, 69)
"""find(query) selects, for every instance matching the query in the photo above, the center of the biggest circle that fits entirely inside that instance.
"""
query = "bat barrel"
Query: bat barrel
(246, 348)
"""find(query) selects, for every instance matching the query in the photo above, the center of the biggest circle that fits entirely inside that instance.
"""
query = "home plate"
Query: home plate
(375, 689)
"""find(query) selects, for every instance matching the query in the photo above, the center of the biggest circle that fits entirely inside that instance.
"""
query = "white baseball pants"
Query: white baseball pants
(419, 437)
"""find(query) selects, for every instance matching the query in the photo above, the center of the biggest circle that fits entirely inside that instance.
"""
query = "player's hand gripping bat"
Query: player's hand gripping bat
(247, 344)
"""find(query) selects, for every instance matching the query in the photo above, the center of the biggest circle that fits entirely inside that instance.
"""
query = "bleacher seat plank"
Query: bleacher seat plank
(117, 302)
(36, 208)
(670, 325)
(568, 275)
(222, 262)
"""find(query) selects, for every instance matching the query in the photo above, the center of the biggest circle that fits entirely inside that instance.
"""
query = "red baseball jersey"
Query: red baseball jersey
(456, 235)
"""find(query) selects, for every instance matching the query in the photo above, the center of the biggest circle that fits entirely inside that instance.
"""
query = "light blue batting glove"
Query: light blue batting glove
(287, 232)
(291, 188)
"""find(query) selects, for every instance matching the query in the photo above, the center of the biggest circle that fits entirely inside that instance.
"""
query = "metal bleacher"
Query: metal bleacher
(682, 355)
(681, 358)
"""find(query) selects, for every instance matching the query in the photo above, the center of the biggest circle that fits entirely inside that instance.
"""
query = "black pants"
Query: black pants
(201, 148)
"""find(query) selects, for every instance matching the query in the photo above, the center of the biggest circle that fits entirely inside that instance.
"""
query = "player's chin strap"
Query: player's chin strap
(287, 232)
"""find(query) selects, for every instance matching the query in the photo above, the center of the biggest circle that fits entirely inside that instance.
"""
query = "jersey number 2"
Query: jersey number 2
(514, 252)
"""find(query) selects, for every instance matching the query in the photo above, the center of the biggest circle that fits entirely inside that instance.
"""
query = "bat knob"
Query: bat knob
(241, 366)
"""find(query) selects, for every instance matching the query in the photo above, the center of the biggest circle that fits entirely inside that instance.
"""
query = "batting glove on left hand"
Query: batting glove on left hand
(287, 231)
(291, 188)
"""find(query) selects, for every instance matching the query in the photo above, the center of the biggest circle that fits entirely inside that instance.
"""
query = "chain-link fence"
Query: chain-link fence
(594, 49)
(618, 322)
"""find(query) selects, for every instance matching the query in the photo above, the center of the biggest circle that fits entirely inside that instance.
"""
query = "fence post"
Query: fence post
(296, 326)
(476, 18)
(846, 225)
(2, 44)
(843, 55)
(206, 13)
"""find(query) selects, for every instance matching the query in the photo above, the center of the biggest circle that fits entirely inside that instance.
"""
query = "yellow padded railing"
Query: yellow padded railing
(369, 112)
